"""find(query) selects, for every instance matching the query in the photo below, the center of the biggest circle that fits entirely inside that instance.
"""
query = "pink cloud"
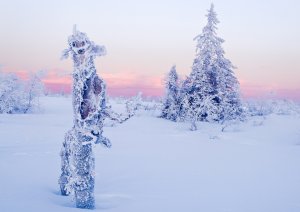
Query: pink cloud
(118, 84)
(255, 90)
(130, 83)
(58, 87)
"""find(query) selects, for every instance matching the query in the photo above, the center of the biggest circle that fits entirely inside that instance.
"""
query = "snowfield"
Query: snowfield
(155, 164)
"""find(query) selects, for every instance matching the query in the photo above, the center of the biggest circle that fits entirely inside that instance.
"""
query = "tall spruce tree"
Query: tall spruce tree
(171, 103)
(214, 90)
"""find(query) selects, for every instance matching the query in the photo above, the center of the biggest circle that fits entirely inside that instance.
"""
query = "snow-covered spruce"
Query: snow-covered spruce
(213, 92)
(89, 104)
(171, 102)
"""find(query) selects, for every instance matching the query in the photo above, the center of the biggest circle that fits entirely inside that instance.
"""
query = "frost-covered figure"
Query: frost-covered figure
(89, 107)
(214, 90)
(171, 103)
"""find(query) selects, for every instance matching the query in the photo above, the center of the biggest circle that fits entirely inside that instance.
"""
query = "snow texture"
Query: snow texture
(156, 164)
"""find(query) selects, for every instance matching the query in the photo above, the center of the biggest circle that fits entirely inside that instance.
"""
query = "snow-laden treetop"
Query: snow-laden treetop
(80, 44)
(212, 20)
(208, 38)
(209, 49)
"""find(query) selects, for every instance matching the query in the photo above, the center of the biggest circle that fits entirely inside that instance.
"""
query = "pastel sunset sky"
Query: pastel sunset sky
(144, 39)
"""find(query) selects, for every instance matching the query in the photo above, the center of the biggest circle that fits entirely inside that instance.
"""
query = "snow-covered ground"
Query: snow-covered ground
(155, 165)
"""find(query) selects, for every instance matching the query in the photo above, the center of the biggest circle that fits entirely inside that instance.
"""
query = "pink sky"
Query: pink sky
(121, 84)
(255, 90)
(129, 84)
(145, 38)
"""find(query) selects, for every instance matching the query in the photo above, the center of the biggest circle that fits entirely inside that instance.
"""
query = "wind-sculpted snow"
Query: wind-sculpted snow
(89, 112)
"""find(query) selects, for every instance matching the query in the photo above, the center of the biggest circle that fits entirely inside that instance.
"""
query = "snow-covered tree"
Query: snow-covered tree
(89, 105)
(171, 102)
(134, 103)
(12, 95)
(34, 89)
(17, 95)
(213, 89)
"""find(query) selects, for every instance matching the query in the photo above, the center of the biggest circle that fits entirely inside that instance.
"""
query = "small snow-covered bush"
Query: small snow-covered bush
(17, 95)
(267, 107)
(120, 109)
(137, 104)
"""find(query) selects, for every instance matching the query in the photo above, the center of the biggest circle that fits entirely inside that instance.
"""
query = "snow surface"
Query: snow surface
(155, 164)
